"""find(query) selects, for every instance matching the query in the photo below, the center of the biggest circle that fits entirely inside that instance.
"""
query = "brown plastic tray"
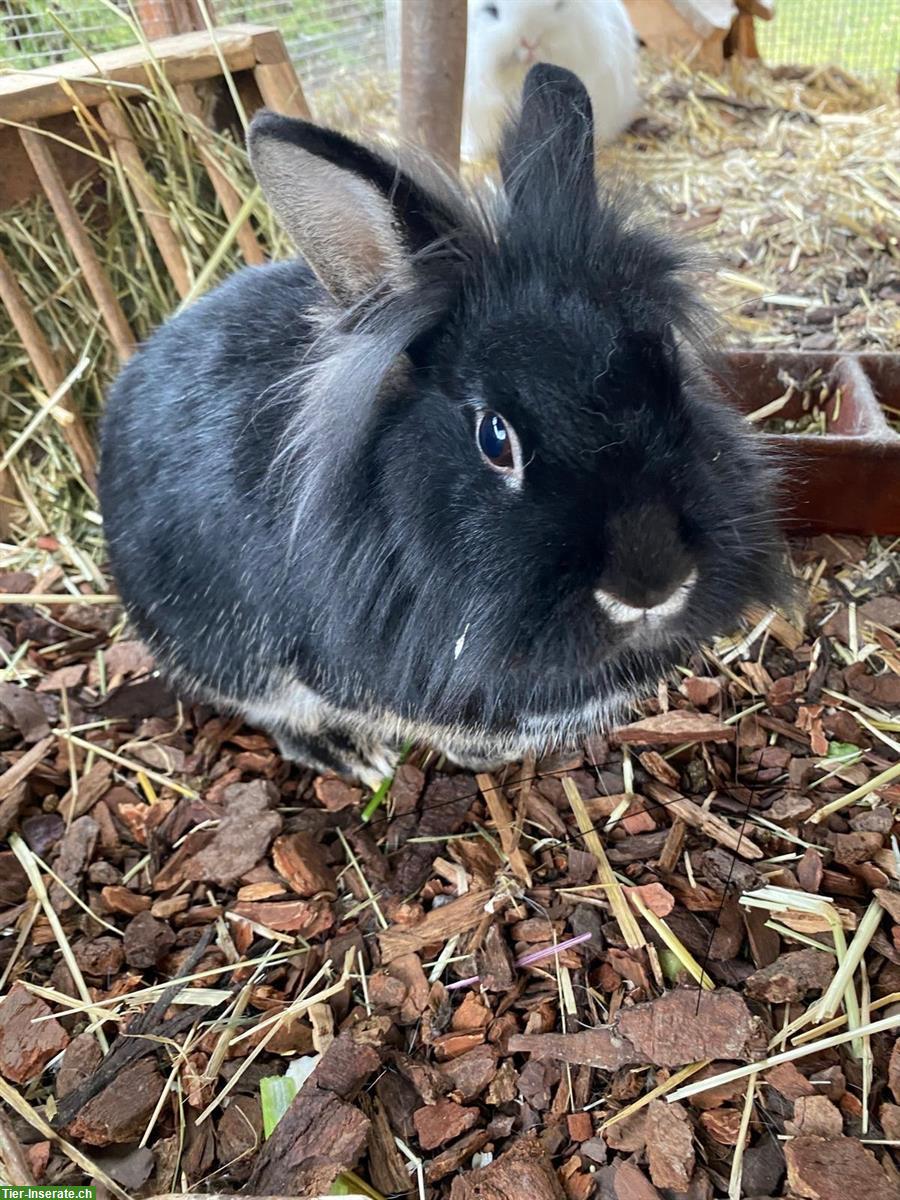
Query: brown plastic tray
(846, 480)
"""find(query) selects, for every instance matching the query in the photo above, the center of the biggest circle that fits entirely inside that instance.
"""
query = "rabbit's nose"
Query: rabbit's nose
(528, 50)
(622, 613)
(649, 573)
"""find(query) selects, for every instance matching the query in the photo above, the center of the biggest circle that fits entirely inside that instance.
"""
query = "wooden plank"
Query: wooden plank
(228, 195)
(47, 368)
(276, 78)
(186, 58)
(147, 197)
(432, 76)
(76, 235)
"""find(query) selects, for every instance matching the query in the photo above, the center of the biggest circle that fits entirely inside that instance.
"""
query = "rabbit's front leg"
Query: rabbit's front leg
(331, 750)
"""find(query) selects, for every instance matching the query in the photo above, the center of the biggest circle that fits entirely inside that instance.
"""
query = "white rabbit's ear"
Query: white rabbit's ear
(356, 217)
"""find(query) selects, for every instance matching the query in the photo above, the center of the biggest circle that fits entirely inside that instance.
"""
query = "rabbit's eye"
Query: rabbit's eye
(498, 443)
(492, 11)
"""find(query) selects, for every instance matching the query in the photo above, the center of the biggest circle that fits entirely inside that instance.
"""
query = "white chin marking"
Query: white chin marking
(621, 613)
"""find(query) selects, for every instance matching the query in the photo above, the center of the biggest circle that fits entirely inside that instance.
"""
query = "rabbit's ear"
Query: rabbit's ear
(550, 146)
(355, 216)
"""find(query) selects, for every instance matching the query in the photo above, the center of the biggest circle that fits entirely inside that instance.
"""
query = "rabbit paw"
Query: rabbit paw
(332, 751)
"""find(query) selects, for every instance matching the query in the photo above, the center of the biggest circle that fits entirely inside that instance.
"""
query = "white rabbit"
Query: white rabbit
(593, 38)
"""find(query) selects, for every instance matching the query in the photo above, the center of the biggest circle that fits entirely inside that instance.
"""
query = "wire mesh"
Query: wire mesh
(862, 36)
(329, 36)
(322, 36)
(34, 33)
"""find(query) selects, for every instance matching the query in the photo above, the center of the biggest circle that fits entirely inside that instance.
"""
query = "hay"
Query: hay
(787, 178)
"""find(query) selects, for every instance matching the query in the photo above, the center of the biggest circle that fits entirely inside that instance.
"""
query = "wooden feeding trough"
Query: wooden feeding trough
(847, 478)
(45, 114)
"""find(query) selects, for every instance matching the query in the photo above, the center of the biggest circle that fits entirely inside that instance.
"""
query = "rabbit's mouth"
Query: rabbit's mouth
(647, 618)
(527, 50)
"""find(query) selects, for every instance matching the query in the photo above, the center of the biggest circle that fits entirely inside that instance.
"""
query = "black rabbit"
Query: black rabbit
(457, 475)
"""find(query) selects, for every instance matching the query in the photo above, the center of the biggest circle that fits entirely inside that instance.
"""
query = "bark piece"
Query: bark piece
(787, 1079)
(300, 861)
(791, 976)
(667, 1032)
(244, 834)
(580, 1126)
(630, 1183)
(835, 1168)
(445, 803)
(13, 788)
(723, 1125)
(240, 1131)
(321, 1134)
(121, 1111)
(894, 1071)
(470, 1074)
(673, 728)
(850, 849)
(306, 917)
(26, 1044)
(91, 787)
(75, 853)
(449, 1161)
(20, 709)
(146, 941)
(442, 1122)
(628, 1135)
(670, 1151)
(335, 794)
(408, 971)
(815, 1116)
(889, 1117)
(676, 805)
(459, 916)
(119, 899)
(101, 957)
(80, 1060)
(524, 1170)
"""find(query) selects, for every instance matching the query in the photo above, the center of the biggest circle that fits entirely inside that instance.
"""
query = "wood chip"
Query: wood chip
(243, 835)
(835, 1168)
(300, 861)
(681, 1026)
(459, 916)
(674, 728)
(525, 1170)
(676, 805)
(670, 1151)
(121, 1111)
(26, 1043)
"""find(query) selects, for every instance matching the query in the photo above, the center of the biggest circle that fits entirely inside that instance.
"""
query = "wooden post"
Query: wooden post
(224, 189)
(46, 367)
(76, 235)
(276, 78)
(432, 76)
(163, 18)
(146, 195)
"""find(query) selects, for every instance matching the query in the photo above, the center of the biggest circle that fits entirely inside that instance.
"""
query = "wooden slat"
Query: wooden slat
(76, 235)
(276, 78)
(47, 368)
(186, 58)
(228, 195)
(146, 195)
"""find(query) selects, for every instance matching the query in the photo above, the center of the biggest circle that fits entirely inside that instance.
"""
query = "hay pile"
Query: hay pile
(787, 178)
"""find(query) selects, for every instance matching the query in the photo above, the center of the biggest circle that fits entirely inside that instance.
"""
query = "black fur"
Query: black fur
(297, 497)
